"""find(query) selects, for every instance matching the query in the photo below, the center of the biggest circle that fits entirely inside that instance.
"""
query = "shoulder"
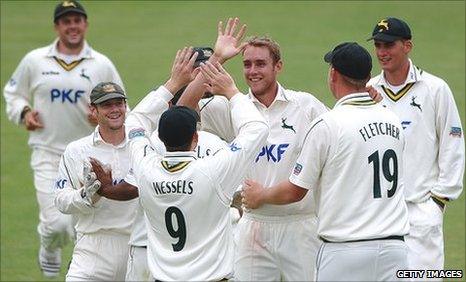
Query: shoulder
(306, 102)
(209, 138)
(374, 80)
(37, 54)
(99, 57)
(77, 147)
(432, 80)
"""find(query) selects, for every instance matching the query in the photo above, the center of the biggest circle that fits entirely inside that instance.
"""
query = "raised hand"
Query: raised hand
(182, 71)
(375, 95)
(103, 174)
(228, 44)
(218, 79)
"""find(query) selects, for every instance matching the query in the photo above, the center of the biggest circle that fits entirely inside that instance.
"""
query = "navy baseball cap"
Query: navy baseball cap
(66, 7)
(391, 29)
(204, 53)
(177, 126)
(351, 60)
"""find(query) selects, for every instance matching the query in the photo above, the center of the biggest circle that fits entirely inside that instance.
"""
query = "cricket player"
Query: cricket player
(186, 200)
(273, 242)
(103, 226)
(353, 158)
(430, 119)
(49, 94)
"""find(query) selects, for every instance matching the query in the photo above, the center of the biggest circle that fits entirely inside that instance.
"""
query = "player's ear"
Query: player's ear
(407, 46)
(279, 66)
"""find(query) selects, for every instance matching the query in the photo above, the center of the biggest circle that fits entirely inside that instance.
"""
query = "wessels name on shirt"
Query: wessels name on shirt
(173, 187)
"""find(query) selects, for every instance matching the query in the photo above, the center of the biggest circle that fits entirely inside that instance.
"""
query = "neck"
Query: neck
(398, 76)
(68, 50)
(112, 136)
(343, 90)
(269, 96)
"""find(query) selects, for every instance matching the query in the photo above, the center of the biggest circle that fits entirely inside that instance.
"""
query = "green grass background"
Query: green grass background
(141, 37)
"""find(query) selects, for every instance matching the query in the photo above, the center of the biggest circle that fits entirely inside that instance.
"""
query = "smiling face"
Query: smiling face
(392, 56)
(110, 114)
(260, 70)
(71, 29)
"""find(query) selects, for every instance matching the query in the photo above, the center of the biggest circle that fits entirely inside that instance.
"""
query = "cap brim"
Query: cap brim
(67, 11)
(384, 37)
(328, 57)
(109, 97)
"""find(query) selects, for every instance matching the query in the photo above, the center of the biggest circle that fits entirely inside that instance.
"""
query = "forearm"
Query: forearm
(70, 201)
(119, 192)
(283, 193)
(196, 89)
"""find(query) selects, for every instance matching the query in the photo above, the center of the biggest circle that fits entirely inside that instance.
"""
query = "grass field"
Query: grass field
(142, 37)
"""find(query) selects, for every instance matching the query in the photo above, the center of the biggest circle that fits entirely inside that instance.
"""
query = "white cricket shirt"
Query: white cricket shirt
(208, 145)
(289, 117)
(105, 214)
(353, 158)
(186, 201)
(59, 92)
(434, 155)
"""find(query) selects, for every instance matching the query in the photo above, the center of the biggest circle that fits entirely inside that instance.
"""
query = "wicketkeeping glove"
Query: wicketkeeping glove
(91, 184)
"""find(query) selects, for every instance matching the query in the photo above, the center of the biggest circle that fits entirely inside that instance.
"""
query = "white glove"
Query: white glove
(91, 184)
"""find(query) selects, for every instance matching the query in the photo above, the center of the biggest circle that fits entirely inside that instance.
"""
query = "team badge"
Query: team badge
(109, 88)
(297, 169)
(286, 126)
(136, 132)
(414, 104)
(383, 24)
(68, 4)
(84, 75)
(455, 131)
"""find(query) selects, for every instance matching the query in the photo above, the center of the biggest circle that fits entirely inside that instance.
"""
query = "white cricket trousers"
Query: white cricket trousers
(361, 261)
(55, 229)
(100, 256)
(276, 248)
(425, 239)
(137, 268)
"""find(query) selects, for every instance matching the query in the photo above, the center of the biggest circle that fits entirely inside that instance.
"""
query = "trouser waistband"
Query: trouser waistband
(393, 237)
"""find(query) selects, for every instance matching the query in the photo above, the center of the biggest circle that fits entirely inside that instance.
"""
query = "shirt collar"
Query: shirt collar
(98, 140)
(281, 95)
(86, 52)
(414, 75)
(355, 99)
(180, 156)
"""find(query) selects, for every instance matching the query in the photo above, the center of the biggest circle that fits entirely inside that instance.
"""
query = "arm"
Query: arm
(69, 197)
(17, 97)
(285, 192)
(120, 192)
(451, 155)
(232, 164)
(227, 46)
(146, 114)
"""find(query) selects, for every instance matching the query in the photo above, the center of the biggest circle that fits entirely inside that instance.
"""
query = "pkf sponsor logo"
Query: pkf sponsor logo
(60, 184)
(66, 95)
(273, 152)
